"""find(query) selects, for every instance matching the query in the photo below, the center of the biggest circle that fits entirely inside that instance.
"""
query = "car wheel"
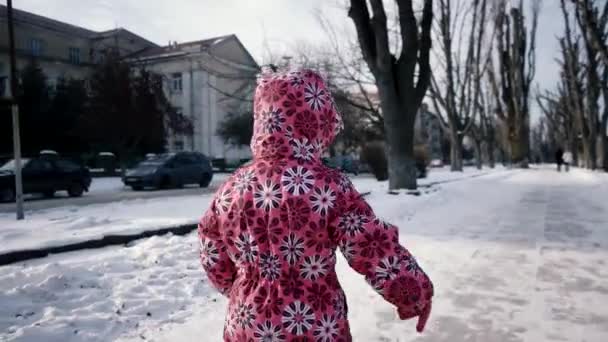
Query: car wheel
(7, 195)
(75, 190)
(49, 193)
(205, 180)
(137, 187)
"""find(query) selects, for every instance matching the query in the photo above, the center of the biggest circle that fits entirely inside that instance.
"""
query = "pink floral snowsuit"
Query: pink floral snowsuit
(269, 239)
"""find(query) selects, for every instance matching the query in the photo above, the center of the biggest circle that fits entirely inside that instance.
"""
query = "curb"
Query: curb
(108, 240)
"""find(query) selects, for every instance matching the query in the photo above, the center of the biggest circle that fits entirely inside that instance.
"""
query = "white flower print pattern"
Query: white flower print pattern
(231, 323)
(274, 121)
(248, 248)
(298, 180)
(266, 332)
(315, 96)
(352, 224)
(270, 266)
(224, 200)
(327, 329)
(302, 150)
(322, 200)
(313, 267)
(348, 249)
(292, 248)
(243, 181)
(244, 315)
(388, 269)
(267, 195)
(298, 318)
(209, 253)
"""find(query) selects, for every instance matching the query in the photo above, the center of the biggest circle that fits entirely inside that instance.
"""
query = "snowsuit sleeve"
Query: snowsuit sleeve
(372, 248)
(213, 252)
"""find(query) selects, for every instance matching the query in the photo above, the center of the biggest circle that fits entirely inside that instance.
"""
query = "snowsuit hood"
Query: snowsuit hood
(294, 116)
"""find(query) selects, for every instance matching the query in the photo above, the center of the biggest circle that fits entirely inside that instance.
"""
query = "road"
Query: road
(111, 189)
(106, 190)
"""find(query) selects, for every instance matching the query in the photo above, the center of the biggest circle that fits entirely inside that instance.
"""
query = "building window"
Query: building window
(35, 47)
(176, 82)
(74, 55)
(178, 146)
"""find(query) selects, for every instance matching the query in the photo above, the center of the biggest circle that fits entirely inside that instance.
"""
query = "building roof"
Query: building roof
(120, 30)
(47, 23)
(179, 48)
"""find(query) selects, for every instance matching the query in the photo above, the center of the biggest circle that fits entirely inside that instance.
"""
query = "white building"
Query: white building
(206, 80)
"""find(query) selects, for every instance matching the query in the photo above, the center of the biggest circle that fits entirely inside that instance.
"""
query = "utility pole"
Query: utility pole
(15, 111)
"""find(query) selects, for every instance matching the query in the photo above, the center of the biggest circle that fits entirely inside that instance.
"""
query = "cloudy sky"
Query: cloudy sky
(281, 23)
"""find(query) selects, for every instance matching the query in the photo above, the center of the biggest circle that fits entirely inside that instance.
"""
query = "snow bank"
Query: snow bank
(60, 226)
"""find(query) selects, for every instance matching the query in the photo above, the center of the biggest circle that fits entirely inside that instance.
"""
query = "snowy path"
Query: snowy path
(515, 256)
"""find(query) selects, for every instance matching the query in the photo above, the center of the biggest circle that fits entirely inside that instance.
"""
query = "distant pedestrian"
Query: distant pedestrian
(568, 159)
(559, 158)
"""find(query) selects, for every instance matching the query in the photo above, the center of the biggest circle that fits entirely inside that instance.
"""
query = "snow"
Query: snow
(106, 184)
(72, 224)
(514, 255)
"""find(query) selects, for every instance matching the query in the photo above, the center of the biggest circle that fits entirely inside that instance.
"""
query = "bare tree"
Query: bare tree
(516, 55)
(592, 23)
(455, 82)
(583, 79)
(402, 80)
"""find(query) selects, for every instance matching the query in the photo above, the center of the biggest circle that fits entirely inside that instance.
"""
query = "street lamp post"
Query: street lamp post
(15, 112)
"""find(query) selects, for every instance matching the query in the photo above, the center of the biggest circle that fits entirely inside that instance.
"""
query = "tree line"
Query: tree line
(575, 112)
(120, 108)
(473, 61)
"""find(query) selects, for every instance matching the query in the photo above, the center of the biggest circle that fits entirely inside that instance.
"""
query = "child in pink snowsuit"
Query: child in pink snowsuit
(269, 239)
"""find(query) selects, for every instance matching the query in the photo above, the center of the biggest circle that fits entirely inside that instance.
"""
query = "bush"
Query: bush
(422, 159)
(374, 155)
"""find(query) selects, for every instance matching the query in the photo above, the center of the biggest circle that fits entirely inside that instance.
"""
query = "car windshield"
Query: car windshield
(154, 161)
(10, 165)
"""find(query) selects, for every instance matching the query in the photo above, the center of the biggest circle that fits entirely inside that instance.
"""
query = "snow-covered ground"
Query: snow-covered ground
(71, 224)
(515, 256)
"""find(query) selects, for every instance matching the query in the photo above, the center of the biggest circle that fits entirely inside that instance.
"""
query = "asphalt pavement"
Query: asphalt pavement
(61, 198)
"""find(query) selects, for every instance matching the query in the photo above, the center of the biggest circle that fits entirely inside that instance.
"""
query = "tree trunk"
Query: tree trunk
(518, 150)
(603, 150)
(455, 151)
(489, 152)
(478, 154)
(399, 125)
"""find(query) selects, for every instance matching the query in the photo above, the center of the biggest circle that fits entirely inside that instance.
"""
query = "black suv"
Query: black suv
(46, 176)
(170, 170)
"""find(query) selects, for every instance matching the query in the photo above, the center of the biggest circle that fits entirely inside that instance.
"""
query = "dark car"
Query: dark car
(170, 170)
(343, 163)
(45, 176)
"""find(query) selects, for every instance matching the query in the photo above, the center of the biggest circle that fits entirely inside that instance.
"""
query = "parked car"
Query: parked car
(343, 163)
(170, 170)
(46, 176)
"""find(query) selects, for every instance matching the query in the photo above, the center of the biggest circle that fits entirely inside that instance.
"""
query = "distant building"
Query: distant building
(62, 50)
(206, 80)
(428, 132)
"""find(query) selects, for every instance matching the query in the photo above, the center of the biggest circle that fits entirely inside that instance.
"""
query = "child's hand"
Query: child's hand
(422, 317)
